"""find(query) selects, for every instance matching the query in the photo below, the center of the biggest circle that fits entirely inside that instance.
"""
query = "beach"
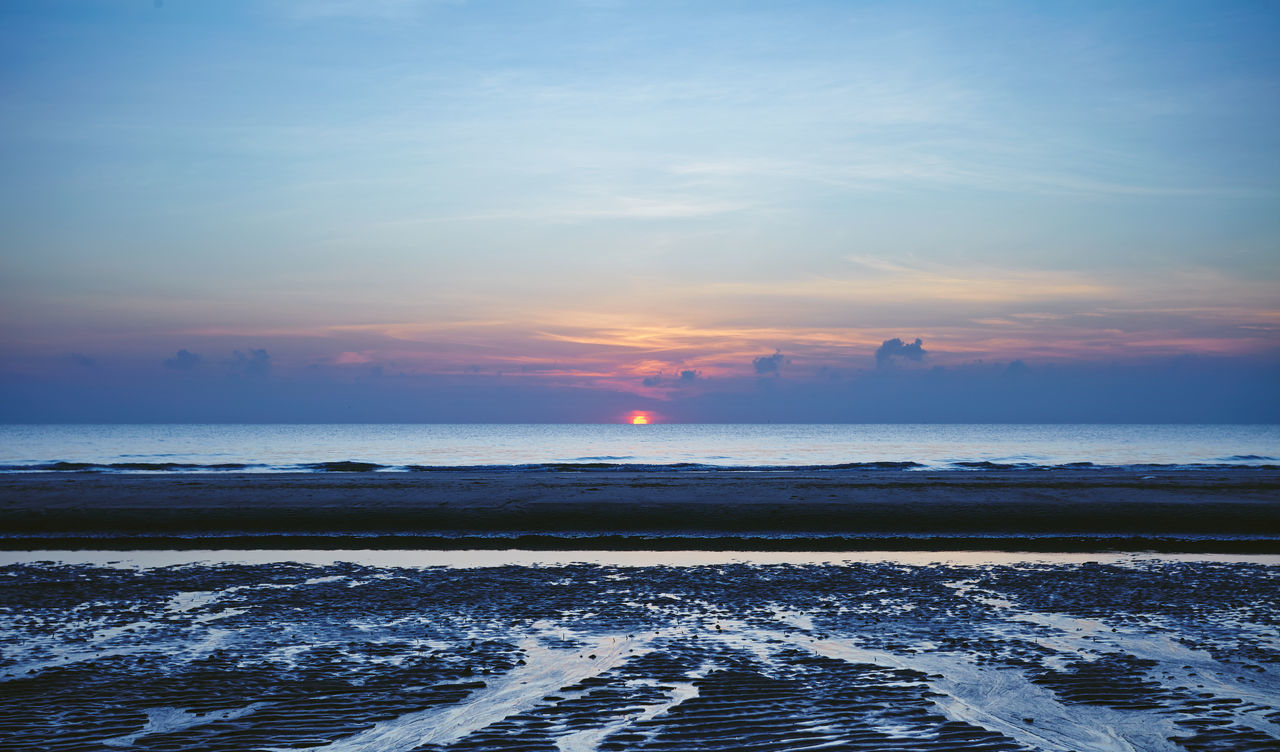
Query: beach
(619, 609)
(1058, 509)
(1001, 653)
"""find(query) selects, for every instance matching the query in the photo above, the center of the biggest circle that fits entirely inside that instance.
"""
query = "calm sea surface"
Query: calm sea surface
(269, 448)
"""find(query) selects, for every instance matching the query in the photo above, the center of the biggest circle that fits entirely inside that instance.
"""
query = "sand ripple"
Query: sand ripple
(1158, 655)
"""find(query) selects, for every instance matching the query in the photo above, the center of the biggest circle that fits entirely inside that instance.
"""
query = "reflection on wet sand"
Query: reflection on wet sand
(1094, 652)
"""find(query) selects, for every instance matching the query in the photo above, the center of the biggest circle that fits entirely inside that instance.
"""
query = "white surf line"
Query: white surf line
(546, 671)
(167, 720)
(588, 740)
(1177, 664)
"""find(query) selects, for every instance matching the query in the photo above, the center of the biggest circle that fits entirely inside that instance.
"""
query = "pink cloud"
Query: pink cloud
(353, 358)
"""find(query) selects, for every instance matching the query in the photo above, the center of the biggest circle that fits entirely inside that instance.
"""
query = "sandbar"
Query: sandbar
(1067, 509)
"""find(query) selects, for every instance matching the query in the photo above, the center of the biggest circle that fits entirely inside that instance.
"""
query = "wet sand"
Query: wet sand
(405, 652)
(1065, 509)
(1141, 654)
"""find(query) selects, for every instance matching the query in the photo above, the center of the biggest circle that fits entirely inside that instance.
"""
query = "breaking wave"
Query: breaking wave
(361, 466)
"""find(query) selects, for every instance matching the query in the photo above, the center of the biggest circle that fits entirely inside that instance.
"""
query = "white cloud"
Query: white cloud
(374, 10)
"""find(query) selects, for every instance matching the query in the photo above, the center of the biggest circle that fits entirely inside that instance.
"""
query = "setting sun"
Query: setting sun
(639, 420)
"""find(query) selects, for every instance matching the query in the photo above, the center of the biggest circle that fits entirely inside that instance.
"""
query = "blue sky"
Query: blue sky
(554, 210)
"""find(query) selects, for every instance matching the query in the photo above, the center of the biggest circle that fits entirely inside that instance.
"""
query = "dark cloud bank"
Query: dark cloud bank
(683, 379)
(1173, 390)
(248, 389)
(183, 361)
(255, 363)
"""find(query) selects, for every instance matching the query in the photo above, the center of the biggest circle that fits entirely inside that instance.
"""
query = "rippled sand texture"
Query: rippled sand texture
(1155, 655)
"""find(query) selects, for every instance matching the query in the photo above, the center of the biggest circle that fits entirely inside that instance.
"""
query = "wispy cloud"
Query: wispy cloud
(881, 281)
(640, 208)
(367, 10)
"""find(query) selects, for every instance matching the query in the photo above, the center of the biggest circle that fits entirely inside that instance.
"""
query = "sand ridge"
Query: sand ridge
(1087, 509)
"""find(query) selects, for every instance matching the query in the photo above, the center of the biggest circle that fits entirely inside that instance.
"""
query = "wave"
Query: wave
(344, 466)
(988, 465)
(161, 467)
(1237, 462)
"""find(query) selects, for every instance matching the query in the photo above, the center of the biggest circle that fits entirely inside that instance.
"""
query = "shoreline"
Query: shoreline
(1235, 510)
(417, 558)
(1263, 546)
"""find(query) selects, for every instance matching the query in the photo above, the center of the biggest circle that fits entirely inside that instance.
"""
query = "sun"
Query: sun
(639, 419)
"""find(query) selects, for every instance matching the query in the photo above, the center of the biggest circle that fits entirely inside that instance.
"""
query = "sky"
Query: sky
(569, 211)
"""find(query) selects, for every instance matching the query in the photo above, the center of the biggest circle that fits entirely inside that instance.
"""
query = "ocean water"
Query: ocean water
(283, 448)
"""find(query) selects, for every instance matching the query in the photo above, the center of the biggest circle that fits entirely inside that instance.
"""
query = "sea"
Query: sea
(176, 448)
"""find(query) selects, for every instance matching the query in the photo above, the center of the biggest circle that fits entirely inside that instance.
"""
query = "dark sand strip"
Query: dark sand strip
(820, 510)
